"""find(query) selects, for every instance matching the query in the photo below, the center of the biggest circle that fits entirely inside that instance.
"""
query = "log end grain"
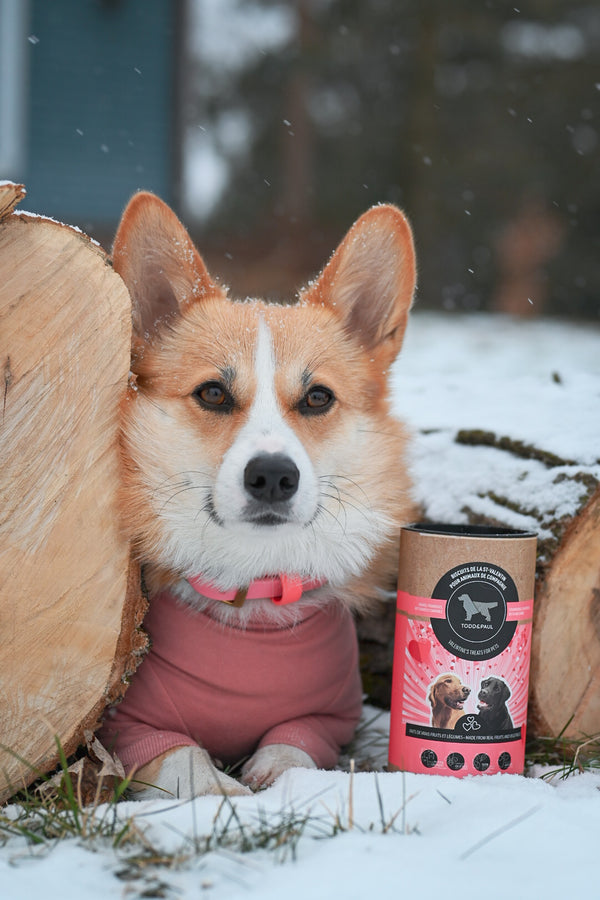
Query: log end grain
(70, 597)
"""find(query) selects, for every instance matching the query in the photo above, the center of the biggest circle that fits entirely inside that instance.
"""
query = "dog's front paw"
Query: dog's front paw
(184, 773)
(269, 762)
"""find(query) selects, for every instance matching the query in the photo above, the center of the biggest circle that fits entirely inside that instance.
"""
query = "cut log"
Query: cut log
(565, 662)
(565, 659)
(70, 601)
(540, 472)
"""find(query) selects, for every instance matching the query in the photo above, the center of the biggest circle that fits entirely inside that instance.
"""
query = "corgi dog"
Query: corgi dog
(263, 491)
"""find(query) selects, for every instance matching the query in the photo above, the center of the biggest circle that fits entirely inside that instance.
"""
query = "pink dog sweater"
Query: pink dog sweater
(232, 690)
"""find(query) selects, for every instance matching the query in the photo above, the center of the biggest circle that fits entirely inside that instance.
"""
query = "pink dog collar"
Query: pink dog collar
(281, 590)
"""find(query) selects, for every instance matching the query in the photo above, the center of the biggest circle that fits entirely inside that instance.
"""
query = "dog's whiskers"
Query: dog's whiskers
(171, 489)
(183, 489)
(354, 484)
(207, 508)
(323, 509)
(344, 498)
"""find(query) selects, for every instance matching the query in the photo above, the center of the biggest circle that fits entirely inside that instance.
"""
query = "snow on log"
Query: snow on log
(10, 195)
(70, 601)
(506, 421)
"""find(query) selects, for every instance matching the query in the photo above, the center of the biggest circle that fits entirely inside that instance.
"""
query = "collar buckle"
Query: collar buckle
(239, 599)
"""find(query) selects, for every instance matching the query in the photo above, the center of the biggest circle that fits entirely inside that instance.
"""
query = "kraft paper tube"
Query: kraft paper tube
(462, 648)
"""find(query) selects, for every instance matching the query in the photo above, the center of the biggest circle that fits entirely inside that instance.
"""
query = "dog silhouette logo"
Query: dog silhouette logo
(476, 607)
(474, 624)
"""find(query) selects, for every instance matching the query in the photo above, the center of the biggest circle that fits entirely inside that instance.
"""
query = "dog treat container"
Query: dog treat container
(462, 647)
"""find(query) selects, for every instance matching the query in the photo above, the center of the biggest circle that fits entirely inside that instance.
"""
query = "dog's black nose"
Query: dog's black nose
(271, 477)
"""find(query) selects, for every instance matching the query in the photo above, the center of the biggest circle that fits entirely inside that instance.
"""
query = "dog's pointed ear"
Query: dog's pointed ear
(370, 280)
(155, 257)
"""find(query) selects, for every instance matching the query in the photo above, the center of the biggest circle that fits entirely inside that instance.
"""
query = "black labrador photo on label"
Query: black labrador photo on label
(493, 712)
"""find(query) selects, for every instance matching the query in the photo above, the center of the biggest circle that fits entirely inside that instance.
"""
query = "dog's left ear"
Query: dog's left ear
(370, 280)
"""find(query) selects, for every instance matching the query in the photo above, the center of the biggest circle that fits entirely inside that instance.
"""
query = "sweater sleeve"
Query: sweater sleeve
(323, 734)
(146, 723)
(136, 743)
(322, 737)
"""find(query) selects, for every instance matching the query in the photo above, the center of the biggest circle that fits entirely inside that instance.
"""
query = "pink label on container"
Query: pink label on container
(460, 678)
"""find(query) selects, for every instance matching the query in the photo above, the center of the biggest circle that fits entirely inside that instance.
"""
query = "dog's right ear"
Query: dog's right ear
(155, 257)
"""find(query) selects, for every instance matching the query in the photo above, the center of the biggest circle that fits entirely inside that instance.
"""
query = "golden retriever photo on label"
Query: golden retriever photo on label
(447, 698)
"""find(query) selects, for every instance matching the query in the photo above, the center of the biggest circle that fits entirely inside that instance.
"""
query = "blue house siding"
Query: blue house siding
(101, 114)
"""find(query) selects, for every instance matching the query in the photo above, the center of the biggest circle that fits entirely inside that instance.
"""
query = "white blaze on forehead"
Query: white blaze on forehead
(265, 415)
(265, 431)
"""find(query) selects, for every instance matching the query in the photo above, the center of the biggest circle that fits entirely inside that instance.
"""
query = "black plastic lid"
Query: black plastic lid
(475, 531)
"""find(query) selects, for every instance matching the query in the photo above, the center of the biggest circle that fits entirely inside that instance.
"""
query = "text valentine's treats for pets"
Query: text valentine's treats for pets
(462, 647)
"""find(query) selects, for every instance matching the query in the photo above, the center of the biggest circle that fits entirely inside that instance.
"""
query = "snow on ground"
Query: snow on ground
(412, 835)
(535, 381)
(550, 851)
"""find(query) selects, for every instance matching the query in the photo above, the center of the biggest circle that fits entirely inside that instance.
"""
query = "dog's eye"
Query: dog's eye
(316, 401)
(212, 395)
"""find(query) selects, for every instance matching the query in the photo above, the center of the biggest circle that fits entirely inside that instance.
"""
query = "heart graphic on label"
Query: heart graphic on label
(419, 650)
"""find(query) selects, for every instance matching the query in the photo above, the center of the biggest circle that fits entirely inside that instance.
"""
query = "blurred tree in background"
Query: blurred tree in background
(479, 118)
